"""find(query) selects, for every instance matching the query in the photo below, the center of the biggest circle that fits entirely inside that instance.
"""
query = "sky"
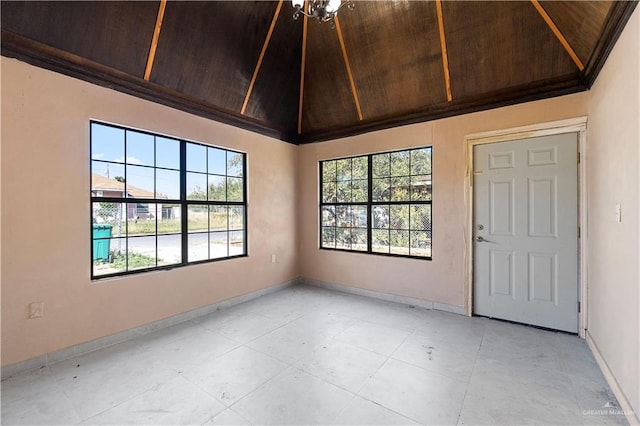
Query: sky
(108, 145)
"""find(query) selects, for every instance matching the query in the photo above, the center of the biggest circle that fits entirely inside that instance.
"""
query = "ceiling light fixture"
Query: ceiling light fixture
(322, 10)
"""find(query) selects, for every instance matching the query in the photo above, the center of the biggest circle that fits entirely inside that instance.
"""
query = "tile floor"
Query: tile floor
(306, 355)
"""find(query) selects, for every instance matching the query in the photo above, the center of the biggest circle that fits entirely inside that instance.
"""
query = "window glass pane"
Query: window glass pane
(328, 216)
(217, 188)
(112, 214)
(359, 239)
(381, 189)
(140, 148)
(421, 161)
(399, 217)
(420, 217)
(359, 216)
(381, 217)
(421, 188)
(344, 192)
(167, 184)
(104, 217)
(234, 189)
(141, 219)
(381, 166)
(343, 238)
(197, 218)
(420, 244)
(236, 217)
(343, 216)
(141, 252)
(344, 169)
(218, 218)
(107, 179)
(359, 191)
(217, 161)
(400, 189)
(196, 186)
(236, 243)
(169, 221)
(218, 245)
(167, 153)
(140, 182)
(399, 242)
(360, 167)
(234, 164)
(329, 171)
(329, 192)
(196, 158)
(198, 245)
(115, 259)
(329, 237)
(107, 143)
(400, 163)
(380, 243)
(169, 249)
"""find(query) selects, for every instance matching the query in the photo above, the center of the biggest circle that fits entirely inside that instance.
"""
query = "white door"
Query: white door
(525, 231)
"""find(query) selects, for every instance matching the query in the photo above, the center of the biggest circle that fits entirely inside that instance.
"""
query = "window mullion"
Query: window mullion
(183, 202)
(126, 208)
(369, 203)
(245, 204)
(155, 193)
(322, 204)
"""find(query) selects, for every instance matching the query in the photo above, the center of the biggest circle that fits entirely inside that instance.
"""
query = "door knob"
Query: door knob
(481, 239)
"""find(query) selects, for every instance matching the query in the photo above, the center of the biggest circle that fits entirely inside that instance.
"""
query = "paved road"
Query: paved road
(169, 246)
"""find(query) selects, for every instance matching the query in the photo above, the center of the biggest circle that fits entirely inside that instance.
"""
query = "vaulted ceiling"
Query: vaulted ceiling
(387, 63)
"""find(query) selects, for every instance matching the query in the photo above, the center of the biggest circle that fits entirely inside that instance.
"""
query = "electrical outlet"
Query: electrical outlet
(273, 258)
(619, 212)
(36, 310)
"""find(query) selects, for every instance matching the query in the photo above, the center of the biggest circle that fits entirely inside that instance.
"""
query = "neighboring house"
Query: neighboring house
(102, 186)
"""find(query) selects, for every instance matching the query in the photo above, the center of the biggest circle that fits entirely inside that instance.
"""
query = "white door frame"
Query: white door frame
(577, 125)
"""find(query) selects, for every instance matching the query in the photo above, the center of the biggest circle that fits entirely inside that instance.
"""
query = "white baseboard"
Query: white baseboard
(83, 348)
(426, 304)
(632, 417)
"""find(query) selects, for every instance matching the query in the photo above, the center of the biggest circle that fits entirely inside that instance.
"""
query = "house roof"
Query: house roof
(387, 63)
(103, 183)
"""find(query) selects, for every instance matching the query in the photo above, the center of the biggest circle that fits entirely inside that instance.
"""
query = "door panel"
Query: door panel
(502, 199)
(543, 204)
(501, 273)
(525, 229)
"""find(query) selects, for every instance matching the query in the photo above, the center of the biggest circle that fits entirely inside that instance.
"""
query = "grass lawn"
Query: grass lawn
(148, 227)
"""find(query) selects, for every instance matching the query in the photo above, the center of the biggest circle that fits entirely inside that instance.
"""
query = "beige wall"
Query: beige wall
(45, 161)
(613, 177)
(440, 280)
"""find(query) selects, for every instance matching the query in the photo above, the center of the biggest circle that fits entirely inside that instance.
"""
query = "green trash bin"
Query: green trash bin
(101, 239)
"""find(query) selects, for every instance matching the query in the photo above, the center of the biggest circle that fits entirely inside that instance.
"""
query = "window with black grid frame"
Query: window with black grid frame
(159, 202)
(378, 203)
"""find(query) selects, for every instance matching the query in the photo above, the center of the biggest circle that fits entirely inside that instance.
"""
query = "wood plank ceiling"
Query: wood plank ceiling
(386, 63)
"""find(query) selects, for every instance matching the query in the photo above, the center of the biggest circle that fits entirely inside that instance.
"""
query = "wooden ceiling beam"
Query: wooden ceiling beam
(154, 40)
(304, 58)
(558, 34)
(348, 66)
(443, 46)
(261, 57)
